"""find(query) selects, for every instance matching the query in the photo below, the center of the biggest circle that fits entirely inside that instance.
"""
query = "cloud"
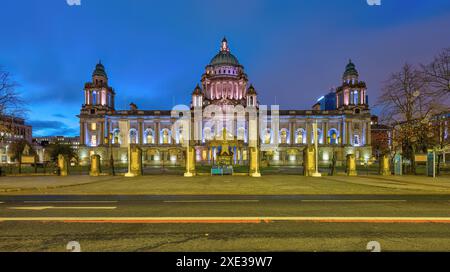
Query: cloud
(52, 128)
(58, 115)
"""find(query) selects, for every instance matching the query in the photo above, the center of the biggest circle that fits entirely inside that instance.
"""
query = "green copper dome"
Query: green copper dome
(224, 57)
(99, 70)
(350, 69)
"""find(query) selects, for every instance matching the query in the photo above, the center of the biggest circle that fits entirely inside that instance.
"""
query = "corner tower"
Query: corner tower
(98, 96)
(352, 94)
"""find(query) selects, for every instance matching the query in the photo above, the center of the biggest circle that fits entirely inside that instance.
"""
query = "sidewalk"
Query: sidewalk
(224, 185)
(39, 183)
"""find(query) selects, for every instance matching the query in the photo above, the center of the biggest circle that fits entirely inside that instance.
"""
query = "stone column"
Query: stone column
(308, 132)
(82, 133)
(157, 125)
(369, 134)
(140, 131)
(95, 166)
(291, 133)
(102, 132)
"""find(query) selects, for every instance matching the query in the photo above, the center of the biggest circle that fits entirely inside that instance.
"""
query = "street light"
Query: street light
(316, 147)
(111, 157)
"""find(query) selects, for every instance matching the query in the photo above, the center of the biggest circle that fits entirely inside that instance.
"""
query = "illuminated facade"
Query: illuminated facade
(225, 85)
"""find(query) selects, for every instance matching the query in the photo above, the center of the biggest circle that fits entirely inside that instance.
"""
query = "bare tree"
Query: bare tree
(11, 104)
(408, 107)
(437, 73)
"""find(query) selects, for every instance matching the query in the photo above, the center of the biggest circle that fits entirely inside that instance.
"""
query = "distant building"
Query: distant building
(12, 129)
(41, 143)
(381, 137)
(326, 102)
(48, 140)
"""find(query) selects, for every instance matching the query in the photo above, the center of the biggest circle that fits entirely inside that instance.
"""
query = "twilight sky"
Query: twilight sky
(155, 51)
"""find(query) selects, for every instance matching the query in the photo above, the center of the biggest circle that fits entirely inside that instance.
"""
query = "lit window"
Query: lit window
(94, 140)
(93, 126)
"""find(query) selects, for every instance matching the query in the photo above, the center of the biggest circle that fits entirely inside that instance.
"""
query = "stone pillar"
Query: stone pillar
(291, 133)
(82, 134)
(190, 162)
(62, 165)
(351, 165)
(95, 166)
(157, 132)
(385, 166)
(140, 131)
(308, 133)
(254, 162)
(102, 132)
(369, 134)
(309, 161)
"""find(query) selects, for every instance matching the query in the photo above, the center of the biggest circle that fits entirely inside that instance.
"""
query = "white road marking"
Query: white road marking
(41, 208)
(210, 201)
(70, 202)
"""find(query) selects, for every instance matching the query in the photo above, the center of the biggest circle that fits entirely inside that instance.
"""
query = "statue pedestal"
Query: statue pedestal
(95, 166)
(351, 165)
(135, 163)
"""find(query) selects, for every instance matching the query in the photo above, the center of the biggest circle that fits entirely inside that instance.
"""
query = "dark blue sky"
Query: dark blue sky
(155, 51)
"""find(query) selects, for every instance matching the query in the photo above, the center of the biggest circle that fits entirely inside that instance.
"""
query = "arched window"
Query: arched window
(267, 136)
(355, 97)
(165, 136)
(116, 136)
(133, 136)
(241, 134)
(333, 136)
(207, 134)
(300, 136)
(149, 136)
(179, 136)
(94, 97)
(284, 136)
(356, 140)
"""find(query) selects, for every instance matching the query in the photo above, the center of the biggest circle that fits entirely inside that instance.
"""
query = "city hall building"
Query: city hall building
(342, 118)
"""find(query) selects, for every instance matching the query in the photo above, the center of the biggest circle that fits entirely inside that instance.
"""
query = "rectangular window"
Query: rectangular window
(93, 126)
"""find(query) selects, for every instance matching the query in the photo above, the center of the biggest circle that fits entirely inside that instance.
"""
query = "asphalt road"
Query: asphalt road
(225, 223)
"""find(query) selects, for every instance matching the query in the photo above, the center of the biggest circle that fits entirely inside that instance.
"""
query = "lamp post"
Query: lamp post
(316, 147)
(111, 157)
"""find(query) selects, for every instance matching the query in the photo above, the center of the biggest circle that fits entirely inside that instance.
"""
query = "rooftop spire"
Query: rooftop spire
(224, 47)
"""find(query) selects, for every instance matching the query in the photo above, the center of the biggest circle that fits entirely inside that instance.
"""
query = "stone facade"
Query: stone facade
(224, 85)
